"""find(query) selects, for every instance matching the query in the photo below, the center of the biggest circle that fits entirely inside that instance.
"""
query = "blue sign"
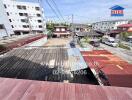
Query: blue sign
(117, 11)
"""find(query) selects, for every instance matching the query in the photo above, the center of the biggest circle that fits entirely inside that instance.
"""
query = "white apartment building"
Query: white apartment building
(24, 17)
(108, 25)
(5, 27)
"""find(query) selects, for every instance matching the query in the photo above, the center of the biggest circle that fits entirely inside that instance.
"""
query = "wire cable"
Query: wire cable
(53, 9)
(55, 5)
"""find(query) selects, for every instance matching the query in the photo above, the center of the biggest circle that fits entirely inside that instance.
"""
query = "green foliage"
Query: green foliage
(124, 46)
(50, 26)
(87, 39)
(50, 34)
(124, 35)
(2, 48)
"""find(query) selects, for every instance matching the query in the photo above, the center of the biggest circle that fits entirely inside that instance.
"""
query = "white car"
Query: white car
(109, 41)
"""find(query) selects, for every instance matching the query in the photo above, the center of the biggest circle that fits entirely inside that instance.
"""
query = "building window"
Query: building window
(63, 29)
(24, 7)
(19, 7)
(5, 6)
(57, 29)
(12, 26)
(40, 26)
(38, 15)
(10, 20)
(37, 8)
(21, 14)
(25, 14)
(24, 26)
(39, 21)
(1, 26)
(7, 13)
(23, 20)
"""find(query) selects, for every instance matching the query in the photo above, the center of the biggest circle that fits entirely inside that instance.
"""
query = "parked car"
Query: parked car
(95, 43)
(72, 44)
(129, 39)
(109, 41)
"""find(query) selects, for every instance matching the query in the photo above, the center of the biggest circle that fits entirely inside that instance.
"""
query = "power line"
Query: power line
(55, 5)
(53, 9)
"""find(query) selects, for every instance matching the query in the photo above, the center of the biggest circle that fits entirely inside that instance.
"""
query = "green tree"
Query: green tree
(124, 35)
(50, 26)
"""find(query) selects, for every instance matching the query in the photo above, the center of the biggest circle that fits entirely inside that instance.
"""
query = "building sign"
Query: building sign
(117, 11)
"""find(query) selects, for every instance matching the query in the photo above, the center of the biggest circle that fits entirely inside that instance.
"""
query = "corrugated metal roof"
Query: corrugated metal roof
(14, 89)
(78, 62)
(119, 72)
(92, 33)
(50, 64)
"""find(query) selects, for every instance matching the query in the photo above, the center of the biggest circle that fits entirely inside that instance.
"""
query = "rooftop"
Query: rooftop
(14, 89)
(117, 70)
(125, 25)
(113, 20)
(60, 26)
(45, 64)
(92, 33)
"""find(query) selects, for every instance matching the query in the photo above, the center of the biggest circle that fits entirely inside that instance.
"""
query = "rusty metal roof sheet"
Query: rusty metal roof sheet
(14, 89)
(119, 72)
(45, 64)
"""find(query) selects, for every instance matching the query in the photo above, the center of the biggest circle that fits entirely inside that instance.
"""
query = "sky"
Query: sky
(86, 11)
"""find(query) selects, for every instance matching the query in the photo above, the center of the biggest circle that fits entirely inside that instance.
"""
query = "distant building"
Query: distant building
(5, 27)
(90, 35)
(82, 27)
(23, 17)
(125, 28)
(108, 25)
(61, 31)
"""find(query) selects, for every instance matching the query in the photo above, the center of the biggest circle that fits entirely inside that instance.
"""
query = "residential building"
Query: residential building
(5, 27)
(81, 27)
(108, 25)
(91, 35)
(24, 17)
(125, 28)
(61, 31)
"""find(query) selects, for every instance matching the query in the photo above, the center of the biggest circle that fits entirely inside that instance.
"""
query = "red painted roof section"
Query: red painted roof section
(125, 25)
(119, 72)
(14, 89)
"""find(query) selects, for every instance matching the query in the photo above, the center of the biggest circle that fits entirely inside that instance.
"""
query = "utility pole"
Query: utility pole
(72, 26)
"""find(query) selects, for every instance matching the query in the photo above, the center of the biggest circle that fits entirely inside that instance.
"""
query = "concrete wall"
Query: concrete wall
(7, 31)
(32, 15)
(39, 42)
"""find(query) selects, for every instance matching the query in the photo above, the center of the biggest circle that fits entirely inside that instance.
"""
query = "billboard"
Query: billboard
(117, 11)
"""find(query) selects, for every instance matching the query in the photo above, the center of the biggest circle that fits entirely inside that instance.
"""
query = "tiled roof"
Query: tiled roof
(125, 25)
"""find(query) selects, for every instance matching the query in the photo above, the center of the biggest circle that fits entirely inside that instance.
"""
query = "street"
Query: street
(122, 53)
